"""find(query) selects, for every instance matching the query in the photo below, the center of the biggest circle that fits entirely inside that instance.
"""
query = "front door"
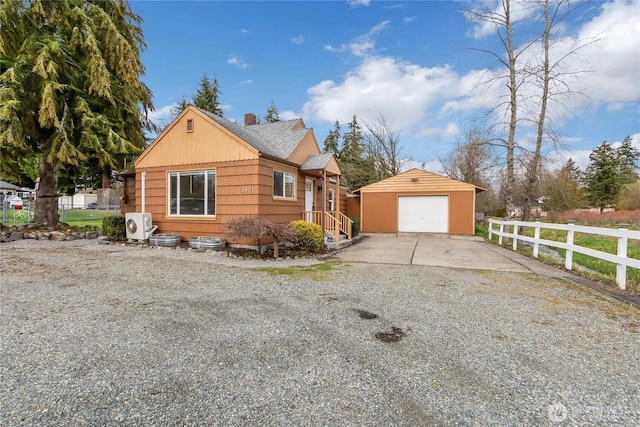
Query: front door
(308, 195)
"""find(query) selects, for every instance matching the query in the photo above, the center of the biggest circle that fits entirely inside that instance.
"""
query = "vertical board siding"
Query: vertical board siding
(352, 207)
(307, 147)
(379, 213)
(462, 212)
(208, 142)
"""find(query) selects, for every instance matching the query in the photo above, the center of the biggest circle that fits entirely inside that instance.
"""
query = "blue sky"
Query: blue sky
(409, 61)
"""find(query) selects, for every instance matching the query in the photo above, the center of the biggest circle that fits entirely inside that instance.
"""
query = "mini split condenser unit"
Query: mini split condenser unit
(138, 225)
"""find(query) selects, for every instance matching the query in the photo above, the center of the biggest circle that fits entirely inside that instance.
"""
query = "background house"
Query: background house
(203, 171)
(416, 201)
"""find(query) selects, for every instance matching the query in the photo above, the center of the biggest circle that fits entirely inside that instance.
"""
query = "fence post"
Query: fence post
(536, 237)
(621, 269)
(500, 235)
(515, 236)
(490, 228)
(568, 262)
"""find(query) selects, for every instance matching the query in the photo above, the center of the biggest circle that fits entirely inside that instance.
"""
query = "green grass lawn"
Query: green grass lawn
(73, 217)
(602, 270)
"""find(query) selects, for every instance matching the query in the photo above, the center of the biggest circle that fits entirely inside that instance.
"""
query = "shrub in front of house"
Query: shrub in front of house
(260, 229)
(310, 237)
(113, 227)
(355, 226)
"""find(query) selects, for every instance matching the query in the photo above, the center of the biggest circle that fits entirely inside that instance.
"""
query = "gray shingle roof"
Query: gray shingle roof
(277, 139)
(316, 162)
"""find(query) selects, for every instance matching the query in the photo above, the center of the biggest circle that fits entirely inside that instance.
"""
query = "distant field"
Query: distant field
(73, 217)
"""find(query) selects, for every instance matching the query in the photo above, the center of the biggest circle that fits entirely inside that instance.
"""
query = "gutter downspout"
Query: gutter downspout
(144, 192)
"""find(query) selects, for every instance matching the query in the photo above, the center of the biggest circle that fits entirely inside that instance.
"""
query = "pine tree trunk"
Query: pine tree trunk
(106, 178)
(47, 193)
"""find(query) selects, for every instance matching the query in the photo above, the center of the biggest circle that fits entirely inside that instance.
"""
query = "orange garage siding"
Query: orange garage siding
(379, 202)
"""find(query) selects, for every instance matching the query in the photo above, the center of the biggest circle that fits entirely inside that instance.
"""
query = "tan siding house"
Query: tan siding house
(203, 171)
(416, 201)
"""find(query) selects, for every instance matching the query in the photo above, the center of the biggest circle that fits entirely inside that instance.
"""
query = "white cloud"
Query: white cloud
(163, 115)
(244, 31)
(297, 40)
(450, 130)
(356, 3)
(614, 56)
(409, 19)
(400, 91)
(599, 60)
(558, 158)
(362, 45)
(288, 115)
(436, 101)
(521, 10)
(234, 60)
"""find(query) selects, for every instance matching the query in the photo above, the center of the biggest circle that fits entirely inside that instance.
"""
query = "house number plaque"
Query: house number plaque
(247, 189)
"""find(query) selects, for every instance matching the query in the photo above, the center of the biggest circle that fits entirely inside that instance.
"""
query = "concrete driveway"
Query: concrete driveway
(439, 251)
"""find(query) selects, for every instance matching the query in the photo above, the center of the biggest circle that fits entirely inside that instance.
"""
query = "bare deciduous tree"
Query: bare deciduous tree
(532, 80)
(473, 159)
(382, 146)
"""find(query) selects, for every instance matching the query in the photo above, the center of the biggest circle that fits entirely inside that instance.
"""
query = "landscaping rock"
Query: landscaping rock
(16, 235)
(58, 236)
(44, 235)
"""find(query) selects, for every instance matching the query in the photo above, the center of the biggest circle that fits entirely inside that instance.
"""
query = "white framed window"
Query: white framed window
(192, 193)
(284, 185)
(331, 200)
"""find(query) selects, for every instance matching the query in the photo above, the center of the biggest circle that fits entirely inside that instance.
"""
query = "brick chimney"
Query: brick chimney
(250, 119)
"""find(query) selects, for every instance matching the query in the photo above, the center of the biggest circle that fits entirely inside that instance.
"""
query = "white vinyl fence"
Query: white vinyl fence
(510, 229)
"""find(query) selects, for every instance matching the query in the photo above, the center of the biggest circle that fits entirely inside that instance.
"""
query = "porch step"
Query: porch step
(332, 244)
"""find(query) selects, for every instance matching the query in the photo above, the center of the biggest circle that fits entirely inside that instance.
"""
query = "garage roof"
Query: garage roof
(416, 180)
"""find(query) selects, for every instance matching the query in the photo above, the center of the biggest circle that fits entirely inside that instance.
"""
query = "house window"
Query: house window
(189, 125)
(284, 184)
(192, 193)
(331, 198)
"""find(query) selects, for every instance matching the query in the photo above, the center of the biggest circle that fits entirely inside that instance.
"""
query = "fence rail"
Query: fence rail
(510, 230)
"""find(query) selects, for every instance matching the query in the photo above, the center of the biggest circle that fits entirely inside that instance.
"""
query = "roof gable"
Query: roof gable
(207, 142)
(418, 180)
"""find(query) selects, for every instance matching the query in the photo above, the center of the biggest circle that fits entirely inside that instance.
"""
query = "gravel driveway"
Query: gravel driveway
(117, 335)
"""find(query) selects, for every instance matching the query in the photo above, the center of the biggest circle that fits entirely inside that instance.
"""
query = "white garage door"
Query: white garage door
(423, 214)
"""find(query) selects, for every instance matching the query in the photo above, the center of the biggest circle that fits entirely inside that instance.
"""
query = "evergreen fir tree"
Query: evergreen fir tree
(272, 114)
(358, 170)
(628, 156)
(332, 141)
(602, 178)
(71, 89)
(207, 96)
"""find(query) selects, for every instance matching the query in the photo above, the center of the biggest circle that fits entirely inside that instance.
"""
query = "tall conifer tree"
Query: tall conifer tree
(70, 88)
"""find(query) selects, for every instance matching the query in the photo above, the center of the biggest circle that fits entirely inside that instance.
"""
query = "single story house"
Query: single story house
(203, 171)
(416, 201)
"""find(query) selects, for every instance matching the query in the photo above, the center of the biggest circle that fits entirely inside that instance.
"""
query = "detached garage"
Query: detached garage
(418, 202)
